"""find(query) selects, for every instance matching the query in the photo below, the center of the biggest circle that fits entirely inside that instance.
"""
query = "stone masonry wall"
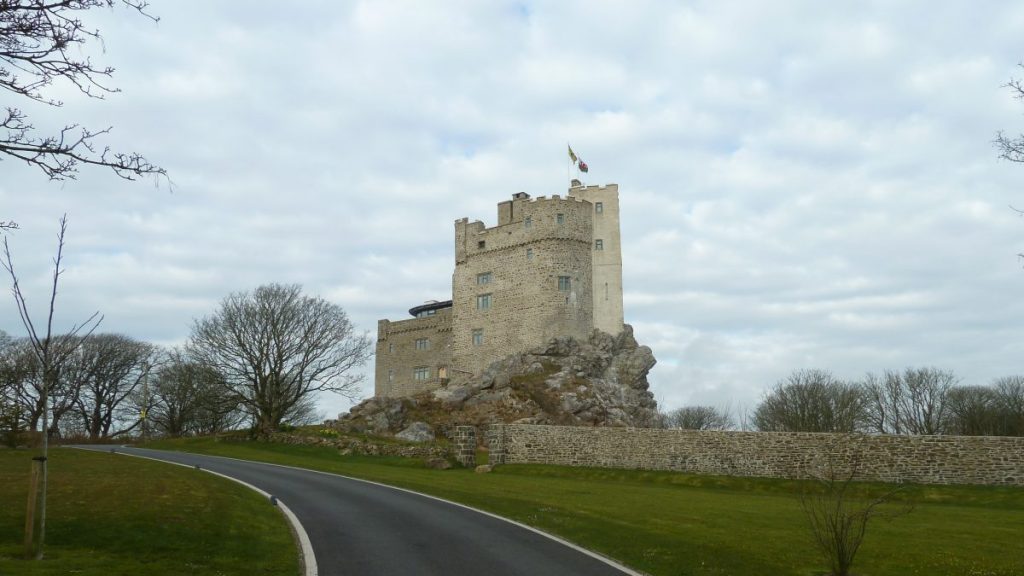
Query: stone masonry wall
(524, 262)
(917, 459)
(607, 290)
(398, 356)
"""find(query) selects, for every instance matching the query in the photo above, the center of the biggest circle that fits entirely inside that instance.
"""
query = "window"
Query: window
(599, 207)
(426, 313)
(560, 218)
(391, 347)
(564, 283)
(484, 278)
(422, 344)
(478, 337)
(442, 372)
(481, 244)
(421, 373)
(529, 253)
(598, 244)
(483, 302)
(391, 375)
(528, 222)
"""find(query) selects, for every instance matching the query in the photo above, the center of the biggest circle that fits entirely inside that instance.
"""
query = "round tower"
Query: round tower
(522, 282)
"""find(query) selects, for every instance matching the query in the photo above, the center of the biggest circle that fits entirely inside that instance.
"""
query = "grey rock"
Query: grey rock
(452, 395)
(417, 432)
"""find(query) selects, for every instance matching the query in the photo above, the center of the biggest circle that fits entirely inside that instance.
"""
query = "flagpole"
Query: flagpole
(568, 167)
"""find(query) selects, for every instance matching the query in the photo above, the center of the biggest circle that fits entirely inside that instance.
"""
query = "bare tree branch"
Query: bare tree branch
(41, 42)
(1012, 148)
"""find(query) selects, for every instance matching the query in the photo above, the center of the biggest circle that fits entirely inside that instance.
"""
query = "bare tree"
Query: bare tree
(112, 368)
(34, 393)
(50, 352)
(700, 418)
(275, 346)
(1009, 394)
(838, 511)
(12, 417)
(810, 401)
(191, 398)
(910, 402)
(42, 41)
(973, 411)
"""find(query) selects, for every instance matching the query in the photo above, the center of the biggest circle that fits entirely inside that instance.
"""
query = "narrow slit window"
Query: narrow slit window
(478, 337)
(528, 222)
(529, 253)
(560, 218)
(598, 244)
(599, 207)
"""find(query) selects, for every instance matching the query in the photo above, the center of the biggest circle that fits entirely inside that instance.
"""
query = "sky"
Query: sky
(802, 184)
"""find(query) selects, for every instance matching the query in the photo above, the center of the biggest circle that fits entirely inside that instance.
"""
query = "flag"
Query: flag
(583, 166)
(572, 155)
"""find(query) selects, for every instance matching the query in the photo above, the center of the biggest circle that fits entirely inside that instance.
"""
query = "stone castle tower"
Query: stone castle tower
(550, 267)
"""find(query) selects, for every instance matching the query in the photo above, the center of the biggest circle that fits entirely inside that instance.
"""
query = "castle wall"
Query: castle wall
(398, 356)
(527, 305)
(607, 256)
(886, 458)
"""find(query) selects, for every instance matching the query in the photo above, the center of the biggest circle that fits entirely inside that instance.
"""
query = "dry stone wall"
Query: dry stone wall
(917, 459)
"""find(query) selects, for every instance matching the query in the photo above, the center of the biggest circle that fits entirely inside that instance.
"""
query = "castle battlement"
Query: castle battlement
(550, 267)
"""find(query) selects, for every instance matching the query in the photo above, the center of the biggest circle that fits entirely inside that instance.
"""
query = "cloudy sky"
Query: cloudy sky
(803, 184)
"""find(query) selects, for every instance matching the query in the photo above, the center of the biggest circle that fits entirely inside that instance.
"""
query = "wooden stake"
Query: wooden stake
(33, 501)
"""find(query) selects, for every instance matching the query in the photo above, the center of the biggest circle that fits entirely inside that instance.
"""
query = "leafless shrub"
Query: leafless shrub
(838, 511)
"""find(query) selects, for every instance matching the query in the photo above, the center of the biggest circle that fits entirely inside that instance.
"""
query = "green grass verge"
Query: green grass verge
(666, 523)
(110, 515)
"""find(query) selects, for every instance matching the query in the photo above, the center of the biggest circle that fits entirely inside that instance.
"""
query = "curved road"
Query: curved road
(358, 528)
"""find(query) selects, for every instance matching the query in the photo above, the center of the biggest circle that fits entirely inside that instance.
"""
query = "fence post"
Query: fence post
(32, 535)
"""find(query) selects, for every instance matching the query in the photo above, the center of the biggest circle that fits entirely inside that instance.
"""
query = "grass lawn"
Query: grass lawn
(112, 515)
(665, 523)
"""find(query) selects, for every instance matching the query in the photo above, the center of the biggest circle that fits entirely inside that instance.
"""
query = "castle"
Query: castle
(550, 267)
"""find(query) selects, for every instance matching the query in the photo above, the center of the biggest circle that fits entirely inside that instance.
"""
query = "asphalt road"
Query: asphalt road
(362, 529)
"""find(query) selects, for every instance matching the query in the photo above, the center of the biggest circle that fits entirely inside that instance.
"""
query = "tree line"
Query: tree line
(917, 401)
(257, 362)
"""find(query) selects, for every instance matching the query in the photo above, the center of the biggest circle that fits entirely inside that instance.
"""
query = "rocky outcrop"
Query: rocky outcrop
(600, 382)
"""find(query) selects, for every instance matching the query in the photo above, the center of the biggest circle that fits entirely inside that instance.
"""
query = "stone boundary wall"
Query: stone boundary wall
(364, 446)
(917, 459)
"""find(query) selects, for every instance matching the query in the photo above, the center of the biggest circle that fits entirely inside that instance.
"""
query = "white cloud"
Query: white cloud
(803, 184)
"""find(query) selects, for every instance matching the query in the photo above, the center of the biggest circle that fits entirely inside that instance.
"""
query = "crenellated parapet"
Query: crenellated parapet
(525, 220)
